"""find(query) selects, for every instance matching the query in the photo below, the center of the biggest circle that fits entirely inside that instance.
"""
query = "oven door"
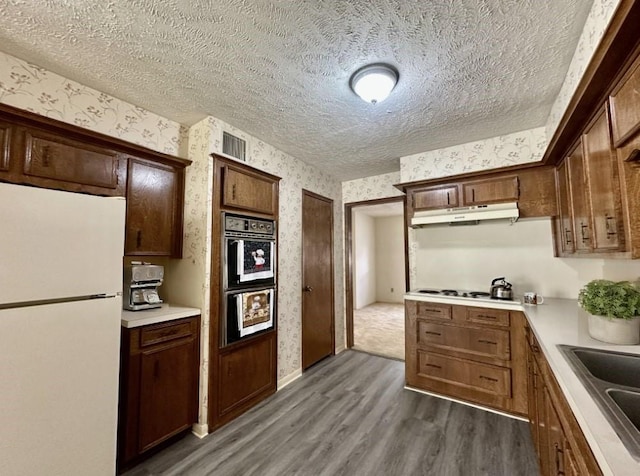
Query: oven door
(248, 312)
(249, 262)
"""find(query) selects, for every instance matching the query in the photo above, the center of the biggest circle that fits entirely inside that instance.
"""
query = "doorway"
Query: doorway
(377, 275)
(318, 336)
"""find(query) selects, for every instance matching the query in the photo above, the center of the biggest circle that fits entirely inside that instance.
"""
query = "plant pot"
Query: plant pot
(615, 331)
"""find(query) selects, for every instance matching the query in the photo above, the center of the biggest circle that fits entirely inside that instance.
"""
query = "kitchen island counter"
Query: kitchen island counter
(131, 319)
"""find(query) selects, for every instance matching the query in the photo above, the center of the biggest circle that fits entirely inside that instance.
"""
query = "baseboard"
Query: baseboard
(200, 429)
(480, 407)
(287, 379)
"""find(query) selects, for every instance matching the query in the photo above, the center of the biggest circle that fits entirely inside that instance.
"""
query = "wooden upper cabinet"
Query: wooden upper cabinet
(56, 161)
(436, 197)
(247, 190)
(154, 209)
(5, 142)
(564, 209)
(579, 206)
(625, 106)
(494, 190)
(603, 186)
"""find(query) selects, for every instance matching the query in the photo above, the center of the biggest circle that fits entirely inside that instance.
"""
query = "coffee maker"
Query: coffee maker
(141, 282)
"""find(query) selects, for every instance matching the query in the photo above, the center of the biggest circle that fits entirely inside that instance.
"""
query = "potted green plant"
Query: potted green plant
(614, 310)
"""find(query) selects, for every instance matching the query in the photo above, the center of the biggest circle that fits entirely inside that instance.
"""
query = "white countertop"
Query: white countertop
(165, 313)
(562, 321)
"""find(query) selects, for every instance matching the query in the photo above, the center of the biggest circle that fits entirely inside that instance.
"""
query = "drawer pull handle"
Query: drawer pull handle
(559, 455)
(610, 227)
(168, 332)
(433, 365)
(448, 202)
(139, 239)
(432, 333)
(233, 192)
(535, 348)
(433, 310)
(45, 156)
(490, 379)
(484, 341)
(486, 316)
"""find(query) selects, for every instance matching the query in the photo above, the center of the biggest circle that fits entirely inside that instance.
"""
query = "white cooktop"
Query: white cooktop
(468, 297)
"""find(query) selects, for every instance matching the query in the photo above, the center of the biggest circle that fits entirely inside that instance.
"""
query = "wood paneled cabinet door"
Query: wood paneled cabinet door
(154, 209)
(247, 190)
(625, 106)
(564, 208)
(603, 186)
(435, 197)
(496, 190)
(53, 161)
(579, 207)
(158, 385)
(5, 142)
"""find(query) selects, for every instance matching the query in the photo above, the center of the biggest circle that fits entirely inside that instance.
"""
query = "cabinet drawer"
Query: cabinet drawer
(53, 157)
(165, 332)
(464, 373)
(432, 310)
(474, 341)
(481, 315)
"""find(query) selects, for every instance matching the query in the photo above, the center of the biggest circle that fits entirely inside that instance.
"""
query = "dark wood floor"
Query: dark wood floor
(349, 415)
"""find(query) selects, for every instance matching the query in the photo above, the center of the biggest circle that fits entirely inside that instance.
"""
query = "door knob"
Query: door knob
(307, 289)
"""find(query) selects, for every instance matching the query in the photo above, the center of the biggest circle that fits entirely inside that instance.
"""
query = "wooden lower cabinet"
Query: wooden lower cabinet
(560, 444)
(468, 353)
(158, 385)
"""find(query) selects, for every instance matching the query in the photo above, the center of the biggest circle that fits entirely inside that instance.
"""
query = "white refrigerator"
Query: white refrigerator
(60, 306)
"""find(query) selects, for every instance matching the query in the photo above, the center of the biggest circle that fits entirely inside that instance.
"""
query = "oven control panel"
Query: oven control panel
(240, 224)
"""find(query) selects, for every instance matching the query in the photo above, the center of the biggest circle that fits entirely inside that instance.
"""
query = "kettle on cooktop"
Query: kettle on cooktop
(501, 289)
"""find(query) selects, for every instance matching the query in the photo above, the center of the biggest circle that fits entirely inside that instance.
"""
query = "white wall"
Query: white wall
(469, 257)
(364, 260)
(389, 235)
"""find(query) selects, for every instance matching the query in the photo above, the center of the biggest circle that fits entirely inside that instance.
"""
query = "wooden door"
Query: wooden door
(168, 391)
(317, 279)
(579, 207)
(603, 186)
(153, 207)
(248, 190)
(564, 208)
(435, 197)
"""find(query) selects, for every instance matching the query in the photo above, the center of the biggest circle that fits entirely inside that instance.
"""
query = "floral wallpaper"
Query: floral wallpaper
(35, 89)
(594, 28)
(371, 188)
(188, 280)
(501, 151)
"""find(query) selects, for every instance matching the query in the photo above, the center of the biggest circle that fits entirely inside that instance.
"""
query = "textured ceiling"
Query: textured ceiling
(279, 70)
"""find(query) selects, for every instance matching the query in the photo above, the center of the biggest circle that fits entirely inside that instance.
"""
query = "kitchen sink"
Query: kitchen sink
(613, 380)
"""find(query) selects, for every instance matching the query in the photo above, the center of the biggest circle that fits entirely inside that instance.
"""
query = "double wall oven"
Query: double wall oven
(249, 276)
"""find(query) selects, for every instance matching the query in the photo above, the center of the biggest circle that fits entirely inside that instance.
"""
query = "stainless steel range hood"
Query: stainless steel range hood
(466, 215)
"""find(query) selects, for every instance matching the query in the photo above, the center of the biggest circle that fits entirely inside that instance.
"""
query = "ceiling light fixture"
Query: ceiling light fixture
(374, 82)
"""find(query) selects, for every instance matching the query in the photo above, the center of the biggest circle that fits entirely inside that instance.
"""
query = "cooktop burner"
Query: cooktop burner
(459, 293)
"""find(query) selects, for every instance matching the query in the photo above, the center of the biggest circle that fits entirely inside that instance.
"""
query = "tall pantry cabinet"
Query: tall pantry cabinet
(243, 373)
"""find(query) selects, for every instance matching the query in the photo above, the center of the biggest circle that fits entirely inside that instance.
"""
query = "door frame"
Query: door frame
(311, 194)
(348, 251)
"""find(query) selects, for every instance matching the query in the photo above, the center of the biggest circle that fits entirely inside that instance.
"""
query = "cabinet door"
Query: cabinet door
(5, 139)
(246, 372)
(503, 189)
(564, 208)
(625, 106)
(556, 440)
(249, 191)
(49, 156)
(154, 205)
(580, 210)
(601, 171)
(435, 197)
(532, 385)
(168, 390)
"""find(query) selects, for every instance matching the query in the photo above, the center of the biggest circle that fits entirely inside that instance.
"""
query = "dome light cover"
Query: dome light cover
(374, 82)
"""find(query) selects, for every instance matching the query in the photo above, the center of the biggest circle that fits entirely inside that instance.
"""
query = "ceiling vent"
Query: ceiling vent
(234, 146)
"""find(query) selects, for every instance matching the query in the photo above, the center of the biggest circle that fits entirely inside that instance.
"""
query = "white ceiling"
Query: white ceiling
(279, 70)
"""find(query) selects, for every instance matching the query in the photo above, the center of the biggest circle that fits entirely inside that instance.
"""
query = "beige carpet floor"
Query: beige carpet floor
(379, 329)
